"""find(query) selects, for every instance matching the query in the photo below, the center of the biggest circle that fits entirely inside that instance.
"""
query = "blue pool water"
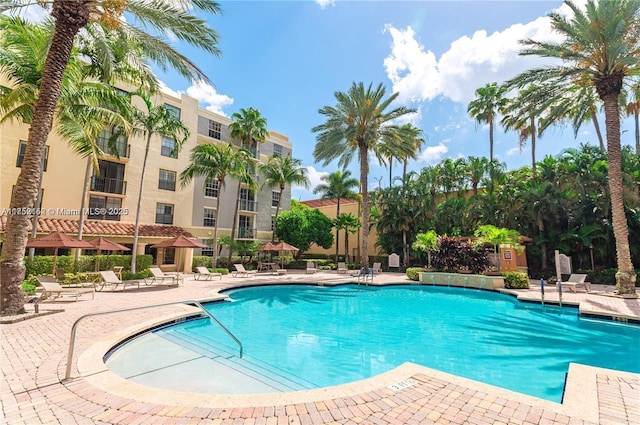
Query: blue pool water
(319, 336)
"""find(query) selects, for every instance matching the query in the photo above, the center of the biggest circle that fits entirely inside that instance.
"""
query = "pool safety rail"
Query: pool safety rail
(74, 328)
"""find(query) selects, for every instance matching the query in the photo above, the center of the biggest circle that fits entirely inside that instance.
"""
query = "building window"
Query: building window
(209, 219)
(167, 180)
(211, 188)
(169, 256)
(245, 229)
(105, 208)
(22, 149)
(247, 200)
(169, 147)
(275, 199)
(109, 178)
(277, 149)
(273, 223)
(119, 148)
(215, 129)
(175, 111)
(208, 251)
(164, 213)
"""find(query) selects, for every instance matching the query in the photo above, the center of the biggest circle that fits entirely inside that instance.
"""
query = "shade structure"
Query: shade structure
(268, 246)
(57, 240)
(103, 244)
(279, 247)
(179, 242)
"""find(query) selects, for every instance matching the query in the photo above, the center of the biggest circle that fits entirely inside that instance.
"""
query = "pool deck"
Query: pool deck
(34, 352)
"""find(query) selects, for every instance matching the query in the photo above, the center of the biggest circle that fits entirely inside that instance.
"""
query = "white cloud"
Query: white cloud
(209, 97)
(433, 154)
(315, 177)
(168, 90)
(325, 3)
(513, 151)
(469, 63)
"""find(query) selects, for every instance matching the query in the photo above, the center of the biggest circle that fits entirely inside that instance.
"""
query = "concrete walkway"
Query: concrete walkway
(34, 351)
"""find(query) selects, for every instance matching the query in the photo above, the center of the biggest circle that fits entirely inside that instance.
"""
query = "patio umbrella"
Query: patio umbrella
(179, 242)
(57, 240)
(102, 244)
(281, 247)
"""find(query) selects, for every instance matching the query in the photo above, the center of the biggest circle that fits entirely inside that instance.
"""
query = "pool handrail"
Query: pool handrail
(72, 339)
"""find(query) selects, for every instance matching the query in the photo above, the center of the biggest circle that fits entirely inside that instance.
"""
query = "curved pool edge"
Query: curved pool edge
(580, 400)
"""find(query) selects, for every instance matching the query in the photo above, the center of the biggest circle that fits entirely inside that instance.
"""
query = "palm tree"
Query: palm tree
(157, 120)
(279, 172)
(71, 16)
(358, 123)
(350, 224)
(250, 128)
(601, 45)
(489, 102)
(338, 185)
(426, 242)
(215, 162)
(412, 134)
(633, 108)
(477, 168)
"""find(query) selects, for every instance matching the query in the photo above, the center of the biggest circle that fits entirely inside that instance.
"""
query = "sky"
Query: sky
(288, 58)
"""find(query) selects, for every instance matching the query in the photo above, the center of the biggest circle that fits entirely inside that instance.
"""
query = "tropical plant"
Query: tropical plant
(215, 162)
(600, 44)
(350, 224)
(489, 102)
(358, 124)
(302, 226)
(281, 171)
(426, 242)
(338, 185)
(156, 121)
(70, 17)
(496, 236)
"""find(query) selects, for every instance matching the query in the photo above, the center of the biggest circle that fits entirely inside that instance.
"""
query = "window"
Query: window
(215, 129)
(120, 143)
(208, 251)
(211, 188)
(110, 178)
(209, 219)
(167, 180)
(104, 208)
(247, 200)
(22, 149)
(277, 149)
(175, 111)
(245, 229)
(275, 199)
(273, 223)
(169, 256)
(169, 147)
(164, 213)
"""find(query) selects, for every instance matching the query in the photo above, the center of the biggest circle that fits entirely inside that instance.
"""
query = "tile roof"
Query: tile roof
(103, 228)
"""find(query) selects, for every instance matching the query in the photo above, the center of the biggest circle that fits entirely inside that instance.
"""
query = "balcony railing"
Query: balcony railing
(246, 233)
(122, 147)
(247, 205)
(108, 185)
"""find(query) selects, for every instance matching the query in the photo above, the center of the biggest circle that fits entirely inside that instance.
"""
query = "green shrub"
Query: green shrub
(516, 280)
(412, 273)
(43, 264)
(127, 275)
(201, 261)
(29, 285)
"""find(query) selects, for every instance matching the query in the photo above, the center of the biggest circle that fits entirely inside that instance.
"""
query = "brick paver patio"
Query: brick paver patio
(32, 390)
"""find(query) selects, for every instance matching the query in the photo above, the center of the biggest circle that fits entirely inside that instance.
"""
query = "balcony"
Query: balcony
(122, 147)
(248, 205)
(108, 185)
(246, 233)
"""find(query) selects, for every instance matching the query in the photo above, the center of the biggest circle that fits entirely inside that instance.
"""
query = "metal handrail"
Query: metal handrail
(72, 339)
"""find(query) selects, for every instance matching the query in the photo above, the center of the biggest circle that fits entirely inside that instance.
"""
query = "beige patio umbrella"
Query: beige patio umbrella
(57, 240)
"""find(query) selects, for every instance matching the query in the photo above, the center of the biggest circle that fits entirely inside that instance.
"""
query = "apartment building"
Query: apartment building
(167, 208)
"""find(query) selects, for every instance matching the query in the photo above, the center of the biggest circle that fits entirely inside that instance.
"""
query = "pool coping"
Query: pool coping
(580, 397)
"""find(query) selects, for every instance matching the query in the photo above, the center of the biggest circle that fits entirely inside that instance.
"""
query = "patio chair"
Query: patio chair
(161, 278)
(52, 289)
(203, 273)
(109, 278)
(311, 268)
(241, 272)
(575, 280)
(342, 268)
(377, 267)
(276, 270)
(118, 271)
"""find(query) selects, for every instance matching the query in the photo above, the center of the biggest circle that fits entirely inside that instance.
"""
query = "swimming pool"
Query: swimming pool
(298, 337)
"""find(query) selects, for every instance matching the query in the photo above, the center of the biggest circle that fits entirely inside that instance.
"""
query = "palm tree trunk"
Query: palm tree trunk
(337, 230)
(636, 117)
(390, 170)
(346, 246)
(83, 202)
(235, 222)
(533, 146)
(275, 219)
(134, 251)
(214, 260)
(364, 187)
(596, 125)
(70, 15)
(625, 277)
(491, 140)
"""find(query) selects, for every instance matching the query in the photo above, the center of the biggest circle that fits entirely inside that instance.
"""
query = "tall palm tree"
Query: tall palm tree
(71, 16)
(477, 168)
(358, 123)
(156, 121)
(601, 44)
(250, 128)
(489, 102)
(215, 162)
(412, 135)
(338, 185)
(350, 224)
(281, 171)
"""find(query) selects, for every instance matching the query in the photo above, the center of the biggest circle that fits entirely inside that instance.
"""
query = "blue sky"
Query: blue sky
(287, 58)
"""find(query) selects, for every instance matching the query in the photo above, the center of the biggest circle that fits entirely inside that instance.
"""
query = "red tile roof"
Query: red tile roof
(103, 228)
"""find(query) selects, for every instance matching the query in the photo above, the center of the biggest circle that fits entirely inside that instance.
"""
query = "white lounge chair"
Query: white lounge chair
(160, 278)
(203, 273)
(342, 268)
(241, 272)
(278, 271)
(576, 279)
(377, 267)
(311, 268)
(111, 279)
(52, 289)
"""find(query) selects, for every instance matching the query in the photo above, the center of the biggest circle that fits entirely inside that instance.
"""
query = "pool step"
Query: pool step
(208, 347)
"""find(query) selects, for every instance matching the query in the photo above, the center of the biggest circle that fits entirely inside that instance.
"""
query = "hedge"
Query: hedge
(43, 264)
